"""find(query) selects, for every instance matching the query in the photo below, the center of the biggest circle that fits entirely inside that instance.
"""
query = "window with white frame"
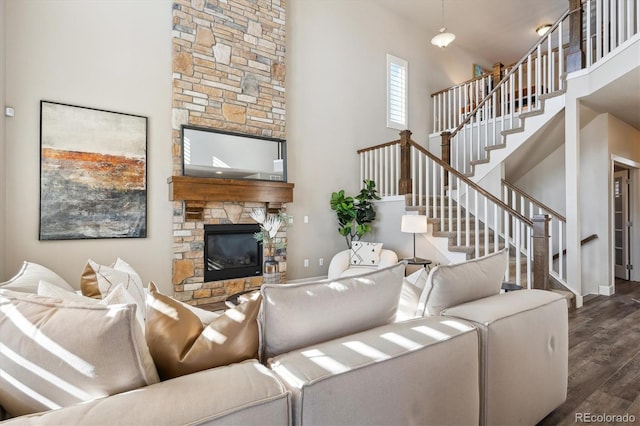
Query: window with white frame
(397, 92)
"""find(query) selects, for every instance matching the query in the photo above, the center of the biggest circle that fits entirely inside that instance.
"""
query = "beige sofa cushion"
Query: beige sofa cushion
(28, 277)
(450, 285)
(180, 344)
(57, 353)
(530, 326)
(417, 372)
(243, 394)
(297, 315)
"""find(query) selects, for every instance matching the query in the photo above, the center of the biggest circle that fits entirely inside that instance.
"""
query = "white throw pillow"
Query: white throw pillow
(27, 279)
(57, 353)
(47, 289)
(99, 280)
(365, 254)
(297, 315)
(451, 285)
(412, 287)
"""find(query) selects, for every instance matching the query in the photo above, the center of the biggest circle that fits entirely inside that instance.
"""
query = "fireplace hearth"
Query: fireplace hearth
(231, 251)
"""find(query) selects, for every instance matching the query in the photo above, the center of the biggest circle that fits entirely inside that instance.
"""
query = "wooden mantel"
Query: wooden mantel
(188, 188)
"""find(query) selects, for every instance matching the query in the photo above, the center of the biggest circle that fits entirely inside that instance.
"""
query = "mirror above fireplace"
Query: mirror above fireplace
(217, 154)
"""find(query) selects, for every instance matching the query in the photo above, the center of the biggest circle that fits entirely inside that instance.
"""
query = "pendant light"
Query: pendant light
(443, 38)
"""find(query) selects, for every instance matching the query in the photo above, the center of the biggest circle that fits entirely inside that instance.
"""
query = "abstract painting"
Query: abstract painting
(93, 173)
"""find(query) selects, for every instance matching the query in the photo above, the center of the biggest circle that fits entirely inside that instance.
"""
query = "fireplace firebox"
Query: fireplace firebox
(231, 251)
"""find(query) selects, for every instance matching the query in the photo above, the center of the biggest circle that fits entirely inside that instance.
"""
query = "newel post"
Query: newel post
(446, 153)
(496, 78)
(575, 56)
(405, 186)
(541, 251)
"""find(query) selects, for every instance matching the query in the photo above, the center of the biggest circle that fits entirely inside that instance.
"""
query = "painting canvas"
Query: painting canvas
(478, 71)
(93, 173)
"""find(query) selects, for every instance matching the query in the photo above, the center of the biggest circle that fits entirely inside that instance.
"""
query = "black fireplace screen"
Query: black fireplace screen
(231, 251)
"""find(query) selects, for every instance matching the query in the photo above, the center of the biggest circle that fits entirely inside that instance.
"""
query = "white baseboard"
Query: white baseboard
(606, 290)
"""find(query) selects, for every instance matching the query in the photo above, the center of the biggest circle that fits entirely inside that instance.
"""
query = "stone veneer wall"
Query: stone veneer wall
(228, 73)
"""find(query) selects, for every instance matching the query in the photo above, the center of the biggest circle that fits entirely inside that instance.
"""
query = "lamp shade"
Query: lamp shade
(414, 223)
(443, 38)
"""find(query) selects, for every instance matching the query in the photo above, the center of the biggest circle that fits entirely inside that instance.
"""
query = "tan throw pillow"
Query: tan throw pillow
(57, 353)
(180, 344)
(27, 279)
(451, 285)
(119, 295)
(294, 316)
(99, 280)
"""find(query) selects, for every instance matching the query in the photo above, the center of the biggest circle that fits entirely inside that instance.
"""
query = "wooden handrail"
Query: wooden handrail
(464, 83)
(511, 72)
(583, 242)
(480, 77)
(472, 184)
(382, 145)
(533, 200)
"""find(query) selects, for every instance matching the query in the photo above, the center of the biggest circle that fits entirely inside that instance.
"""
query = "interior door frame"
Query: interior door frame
(620, 270)
(634, 216)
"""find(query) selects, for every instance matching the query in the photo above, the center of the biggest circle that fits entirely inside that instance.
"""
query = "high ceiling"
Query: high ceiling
(504, 30)
(498, 30)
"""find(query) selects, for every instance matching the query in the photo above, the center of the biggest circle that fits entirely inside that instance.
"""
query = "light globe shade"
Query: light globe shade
(543, 29)
(414, 223)
(443, 39)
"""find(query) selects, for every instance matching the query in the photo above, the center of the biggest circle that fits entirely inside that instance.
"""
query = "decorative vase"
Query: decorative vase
(270, 273)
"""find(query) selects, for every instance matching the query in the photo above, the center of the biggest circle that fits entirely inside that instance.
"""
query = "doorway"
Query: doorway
(621, 222)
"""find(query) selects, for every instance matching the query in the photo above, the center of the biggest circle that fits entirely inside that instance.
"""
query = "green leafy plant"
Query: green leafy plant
(355, 214)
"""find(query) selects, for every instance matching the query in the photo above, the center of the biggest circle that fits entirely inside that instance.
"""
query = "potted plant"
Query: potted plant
(355, 214)
(270, 224)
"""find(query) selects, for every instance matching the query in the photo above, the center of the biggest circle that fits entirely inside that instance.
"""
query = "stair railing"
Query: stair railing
(489, 224)
(475, 117)
(529, 206)
(521, 89)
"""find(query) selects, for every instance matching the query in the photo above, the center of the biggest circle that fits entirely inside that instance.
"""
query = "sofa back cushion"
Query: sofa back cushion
(29, 276)
(451, 285)
(57, 353)
(293, 316)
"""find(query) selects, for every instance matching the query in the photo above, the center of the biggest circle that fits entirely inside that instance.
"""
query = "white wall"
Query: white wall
(602, 137)
(3, 146)
(109, 55)
(594, 204)
(336, 76)
(545, 182)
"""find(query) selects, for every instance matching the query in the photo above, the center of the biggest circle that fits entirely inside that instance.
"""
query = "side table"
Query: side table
(425, 263)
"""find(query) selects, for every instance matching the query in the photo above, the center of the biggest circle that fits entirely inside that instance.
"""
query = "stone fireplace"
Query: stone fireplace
(228, 74)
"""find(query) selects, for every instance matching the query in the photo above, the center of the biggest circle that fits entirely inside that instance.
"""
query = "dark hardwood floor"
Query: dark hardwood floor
(604, 359)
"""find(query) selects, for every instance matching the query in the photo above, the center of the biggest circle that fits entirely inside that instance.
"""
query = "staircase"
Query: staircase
(465, 240)
(482, 123)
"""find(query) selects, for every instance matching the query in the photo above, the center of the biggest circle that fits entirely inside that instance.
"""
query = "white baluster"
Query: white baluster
(518, 254)
(496, 229)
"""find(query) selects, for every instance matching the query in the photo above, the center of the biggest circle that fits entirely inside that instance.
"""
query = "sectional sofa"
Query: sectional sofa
(379, 348)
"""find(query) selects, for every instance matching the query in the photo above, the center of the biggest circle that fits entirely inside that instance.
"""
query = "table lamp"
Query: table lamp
(414, 224)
